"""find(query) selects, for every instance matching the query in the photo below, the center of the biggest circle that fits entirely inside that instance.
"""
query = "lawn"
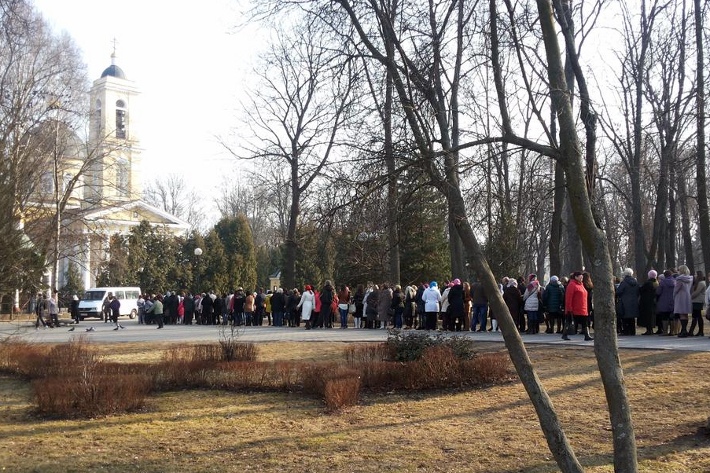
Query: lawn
(493, 429)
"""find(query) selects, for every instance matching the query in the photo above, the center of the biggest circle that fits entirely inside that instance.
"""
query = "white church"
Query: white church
(109, 199)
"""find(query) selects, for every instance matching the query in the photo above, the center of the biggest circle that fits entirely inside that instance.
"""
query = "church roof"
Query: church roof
(113, 71)
(131, 213)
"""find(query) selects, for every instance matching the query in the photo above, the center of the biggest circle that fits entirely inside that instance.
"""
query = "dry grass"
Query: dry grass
(487, 430)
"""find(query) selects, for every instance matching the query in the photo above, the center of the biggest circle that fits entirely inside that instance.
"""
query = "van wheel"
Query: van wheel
(133, 314)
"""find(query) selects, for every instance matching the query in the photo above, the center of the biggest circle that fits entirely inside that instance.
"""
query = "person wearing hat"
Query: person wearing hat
(456, 307)
(531, 304)
(553, 302)
(682, 302)
(647, 303)
(431, 298)
(74, 308)
(307, 304)
(628, 293)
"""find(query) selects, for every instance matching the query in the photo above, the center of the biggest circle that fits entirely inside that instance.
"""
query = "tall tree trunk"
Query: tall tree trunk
(574, 260)
(458, 257)
(595, 244)
(671, 252)
(685, 223)
(640, 259)
(392, 200)
(701, 179)
(558, 204)
(291, 243)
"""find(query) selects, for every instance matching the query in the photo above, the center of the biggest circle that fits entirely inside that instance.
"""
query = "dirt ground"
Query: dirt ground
(490, 430)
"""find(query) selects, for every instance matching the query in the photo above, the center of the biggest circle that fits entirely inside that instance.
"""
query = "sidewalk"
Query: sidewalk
(104, 333)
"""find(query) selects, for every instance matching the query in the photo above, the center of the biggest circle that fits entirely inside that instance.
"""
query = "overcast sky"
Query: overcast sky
(189, 61)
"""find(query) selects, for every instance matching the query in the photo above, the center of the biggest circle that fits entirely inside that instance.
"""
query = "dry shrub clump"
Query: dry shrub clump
(73, 381)
(203, 366)
(341, 392)
(21, 358)
(232, 348)
(338, 384)
(96, 395)
(487, 368)
(367, 352)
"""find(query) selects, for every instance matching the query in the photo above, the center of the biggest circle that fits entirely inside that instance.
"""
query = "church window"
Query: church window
(122, 177)
(97, 117)
(120, 119)
(47, 182)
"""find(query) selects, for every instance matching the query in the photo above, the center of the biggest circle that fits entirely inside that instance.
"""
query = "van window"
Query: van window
(94, 295)
(132, 295)
(120, 295)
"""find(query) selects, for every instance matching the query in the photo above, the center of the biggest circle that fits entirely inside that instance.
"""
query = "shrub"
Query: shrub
(366, 353)
(382, 375)
(437, 368)
(487, 368)
(341, 392)
(285, 374)
(462, 347)
(232, 348)
(76, 358)
(92, 396)
(21, 358)
(315, 375)
(410, 346)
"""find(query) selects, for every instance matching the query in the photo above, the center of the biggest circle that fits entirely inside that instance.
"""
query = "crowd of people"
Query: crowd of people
(662, 305)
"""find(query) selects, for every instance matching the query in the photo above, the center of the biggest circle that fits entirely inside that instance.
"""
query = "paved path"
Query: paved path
(205, 333)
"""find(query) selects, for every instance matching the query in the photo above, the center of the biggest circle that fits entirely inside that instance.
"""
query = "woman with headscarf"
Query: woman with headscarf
(514, 300)
(647, 303)
(682, 301)
(531, 303)
(431, 298)
(384, 306)
(307, 304)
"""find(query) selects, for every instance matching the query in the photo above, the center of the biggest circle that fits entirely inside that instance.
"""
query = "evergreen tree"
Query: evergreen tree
(236, 237)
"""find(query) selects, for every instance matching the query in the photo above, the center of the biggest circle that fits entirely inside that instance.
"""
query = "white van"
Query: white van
(92, 301)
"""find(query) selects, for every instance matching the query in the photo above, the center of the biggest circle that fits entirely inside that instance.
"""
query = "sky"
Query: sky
(190, 62)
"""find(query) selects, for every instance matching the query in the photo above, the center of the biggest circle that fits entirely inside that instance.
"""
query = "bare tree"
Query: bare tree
(42, 103)
(701, 178)
(173, 194)
(297, 115)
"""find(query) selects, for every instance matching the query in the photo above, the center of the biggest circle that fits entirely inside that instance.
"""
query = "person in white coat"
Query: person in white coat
(307, 304)
(431, 298)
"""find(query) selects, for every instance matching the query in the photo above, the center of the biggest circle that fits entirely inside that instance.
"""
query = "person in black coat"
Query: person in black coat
(217, 309)
(326, 301)
(171, 307)
(207, 309)
(188, 304)
(456, 307)
(74, 308)
(647, 303)
(278, 307)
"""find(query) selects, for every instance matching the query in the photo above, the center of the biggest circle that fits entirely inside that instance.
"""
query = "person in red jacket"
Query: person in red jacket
(576, 305)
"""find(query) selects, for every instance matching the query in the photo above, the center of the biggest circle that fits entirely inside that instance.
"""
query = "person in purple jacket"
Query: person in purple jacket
(682, 300)
(664, 305)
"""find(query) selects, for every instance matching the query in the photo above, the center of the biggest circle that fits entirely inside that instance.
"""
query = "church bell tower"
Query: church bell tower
(115, 176)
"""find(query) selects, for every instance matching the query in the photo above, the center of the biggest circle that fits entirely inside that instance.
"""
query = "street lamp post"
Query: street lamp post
(198, 253)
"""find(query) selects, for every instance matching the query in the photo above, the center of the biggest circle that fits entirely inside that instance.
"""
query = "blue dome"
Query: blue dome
(113, 71)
